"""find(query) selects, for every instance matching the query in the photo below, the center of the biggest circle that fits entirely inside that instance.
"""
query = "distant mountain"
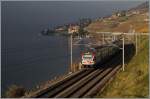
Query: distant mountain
(143, 6)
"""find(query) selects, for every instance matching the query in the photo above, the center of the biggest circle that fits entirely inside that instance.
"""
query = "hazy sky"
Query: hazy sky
(31, 16)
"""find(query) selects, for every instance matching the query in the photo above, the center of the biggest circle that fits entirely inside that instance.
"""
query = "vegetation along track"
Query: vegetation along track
(79, 85)
(85, 83)
(43, 91)
(60, 84)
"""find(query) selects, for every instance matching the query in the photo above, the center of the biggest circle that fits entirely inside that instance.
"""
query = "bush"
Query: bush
(15, 91)
(113, 25)
(122, 19)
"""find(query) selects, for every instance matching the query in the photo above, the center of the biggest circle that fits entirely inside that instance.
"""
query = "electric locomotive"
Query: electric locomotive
(96, 54)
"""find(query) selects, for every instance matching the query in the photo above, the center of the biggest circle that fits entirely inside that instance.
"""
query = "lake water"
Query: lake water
(29, 58)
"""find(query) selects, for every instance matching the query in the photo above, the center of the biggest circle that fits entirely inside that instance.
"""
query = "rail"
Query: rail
(84, 83)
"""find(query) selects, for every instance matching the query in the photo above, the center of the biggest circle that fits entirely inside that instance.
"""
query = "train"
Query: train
(94, 55)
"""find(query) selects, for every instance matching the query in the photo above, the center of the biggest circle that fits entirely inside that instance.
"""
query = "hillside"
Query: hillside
(134, 19)
(143, 6)
(134, 81)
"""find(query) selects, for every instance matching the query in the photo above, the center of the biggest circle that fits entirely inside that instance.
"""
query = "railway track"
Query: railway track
(58, 88)
(78, 84)
(85, 83)
(95, 85)
(58, 82)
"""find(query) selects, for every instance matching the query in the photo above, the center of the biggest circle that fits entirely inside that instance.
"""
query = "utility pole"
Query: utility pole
(71, 53)
(123, 53)
(103, 38)
(136, 43)
(112, 38)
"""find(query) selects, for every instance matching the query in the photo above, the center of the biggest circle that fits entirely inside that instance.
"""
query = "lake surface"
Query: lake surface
(29, 58)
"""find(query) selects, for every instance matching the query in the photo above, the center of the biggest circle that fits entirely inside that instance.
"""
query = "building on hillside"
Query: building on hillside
(146, 19)
(115, 15)
(135, 12)
(61, 28)
(73, 29)
(128, 14)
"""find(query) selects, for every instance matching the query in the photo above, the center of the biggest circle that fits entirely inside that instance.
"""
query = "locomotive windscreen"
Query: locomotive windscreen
(89, 50)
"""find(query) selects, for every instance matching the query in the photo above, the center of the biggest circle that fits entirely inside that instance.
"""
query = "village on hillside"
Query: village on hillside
(135, 19)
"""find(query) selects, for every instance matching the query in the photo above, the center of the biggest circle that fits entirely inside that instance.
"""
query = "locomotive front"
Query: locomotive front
(88, 58)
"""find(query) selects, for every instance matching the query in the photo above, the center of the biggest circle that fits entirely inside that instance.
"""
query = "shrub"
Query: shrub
(15, 91)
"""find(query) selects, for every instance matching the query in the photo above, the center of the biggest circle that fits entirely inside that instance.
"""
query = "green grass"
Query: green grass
(134, 81)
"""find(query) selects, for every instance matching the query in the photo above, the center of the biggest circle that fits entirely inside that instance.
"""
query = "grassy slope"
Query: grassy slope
(136, 21)
(133, 82)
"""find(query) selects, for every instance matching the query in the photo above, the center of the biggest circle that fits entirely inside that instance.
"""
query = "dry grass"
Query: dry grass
(134, 81)
(121, 24)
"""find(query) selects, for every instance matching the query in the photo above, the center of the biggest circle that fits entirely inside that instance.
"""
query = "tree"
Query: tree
(82, 32)
(15, 91)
